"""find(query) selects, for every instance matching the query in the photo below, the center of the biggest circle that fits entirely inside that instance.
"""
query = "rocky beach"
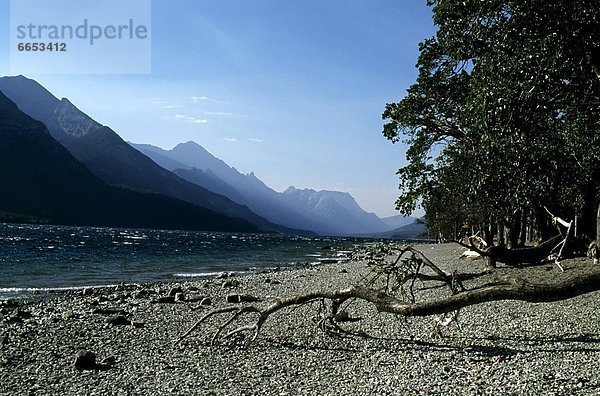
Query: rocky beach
(499, 348)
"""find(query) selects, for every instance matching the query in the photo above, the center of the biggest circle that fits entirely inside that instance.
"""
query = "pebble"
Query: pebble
(503, 348)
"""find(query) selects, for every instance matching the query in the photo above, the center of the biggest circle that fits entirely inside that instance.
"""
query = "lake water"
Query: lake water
(34, 257)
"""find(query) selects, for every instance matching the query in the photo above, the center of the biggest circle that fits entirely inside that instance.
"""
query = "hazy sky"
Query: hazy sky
(290, 89)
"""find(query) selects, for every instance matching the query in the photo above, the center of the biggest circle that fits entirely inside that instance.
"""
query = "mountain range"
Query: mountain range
(324, 212)
(187, 175)
(43, 183)
(110, 158)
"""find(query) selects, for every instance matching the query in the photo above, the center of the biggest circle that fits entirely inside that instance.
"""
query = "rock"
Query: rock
(140, 293)
(343, 271)
(88, 291)
(109, 311)
(118, 320)
(164, 300)
(68, 315)
(85, 360)
(206, 301)
(4, 340)
(342, 316)
(18, 316)
(22, 314)
(195, 298)
(109, 361)
(239, 298)
(179, 297)
(175, 290)
(230, 283)
(138, 324)
(14, 319)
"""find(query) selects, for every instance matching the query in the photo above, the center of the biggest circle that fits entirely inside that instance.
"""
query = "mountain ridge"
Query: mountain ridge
(110, 158)
(43, 183)
(319, 211)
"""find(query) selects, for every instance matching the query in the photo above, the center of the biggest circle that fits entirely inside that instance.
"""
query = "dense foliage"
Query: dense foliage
(504, 117)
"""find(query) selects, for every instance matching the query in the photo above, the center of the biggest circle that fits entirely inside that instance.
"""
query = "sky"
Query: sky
(290, 90)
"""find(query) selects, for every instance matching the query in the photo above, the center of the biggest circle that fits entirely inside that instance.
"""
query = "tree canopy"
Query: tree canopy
(504, 118)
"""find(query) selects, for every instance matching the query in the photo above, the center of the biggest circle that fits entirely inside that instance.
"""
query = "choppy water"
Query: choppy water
(36, 257)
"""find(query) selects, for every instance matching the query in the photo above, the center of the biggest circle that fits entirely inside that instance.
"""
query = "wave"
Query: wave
(206, 274)
(16, 291)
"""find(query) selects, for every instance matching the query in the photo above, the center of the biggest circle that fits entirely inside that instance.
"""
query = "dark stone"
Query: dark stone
(175, 290)
(87, 291)
(343, 271)
(18, 316)
(85, 360)
(230, 283)
(109, 311)
(4, 340)
(206, 301)
(195, 298)
(179, 297)
(118, 320)
(111, 360)
(165, 300)
(239, 298)
(8, 303)
(342, 316)
(22, 314)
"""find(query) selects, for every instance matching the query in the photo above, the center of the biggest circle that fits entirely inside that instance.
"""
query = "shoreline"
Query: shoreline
(503, 348)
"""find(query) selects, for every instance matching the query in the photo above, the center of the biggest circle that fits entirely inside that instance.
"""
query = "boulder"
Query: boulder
(85, 360)
(118, 320)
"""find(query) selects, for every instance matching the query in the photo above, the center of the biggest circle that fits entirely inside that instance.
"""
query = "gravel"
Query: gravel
(500, 348)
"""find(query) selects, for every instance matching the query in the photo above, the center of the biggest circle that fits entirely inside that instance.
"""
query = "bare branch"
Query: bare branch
(508, 288)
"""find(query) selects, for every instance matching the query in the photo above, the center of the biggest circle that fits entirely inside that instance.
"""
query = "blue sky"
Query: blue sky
(290, 89)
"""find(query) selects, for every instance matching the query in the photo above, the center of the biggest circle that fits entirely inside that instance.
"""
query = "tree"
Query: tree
(504, 116)
(502, 123)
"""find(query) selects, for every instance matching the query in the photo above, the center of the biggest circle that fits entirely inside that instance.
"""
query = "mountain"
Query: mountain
(338, 209)
(397, 221)
(109, 157)
(43, 183)
(324, 212)
(414, 230)
(190, 160)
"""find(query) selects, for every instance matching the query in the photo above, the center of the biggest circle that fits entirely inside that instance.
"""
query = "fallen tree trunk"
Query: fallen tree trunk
(518, 257)
(508, 288)
(522, 256)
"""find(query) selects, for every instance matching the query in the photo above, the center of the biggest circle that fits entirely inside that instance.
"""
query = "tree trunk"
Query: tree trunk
(523, 230)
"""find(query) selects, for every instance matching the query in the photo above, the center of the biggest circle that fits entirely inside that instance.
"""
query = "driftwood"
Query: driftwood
(504, 288)
(519, 257)
(508, 288)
